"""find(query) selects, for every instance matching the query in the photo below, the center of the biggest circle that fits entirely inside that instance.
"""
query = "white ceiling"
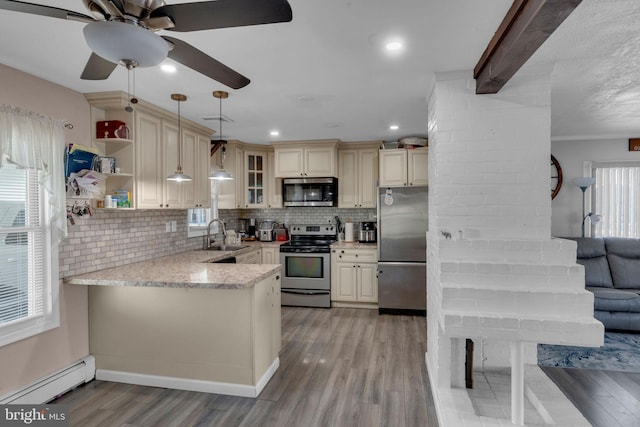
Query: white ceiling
(326, 75)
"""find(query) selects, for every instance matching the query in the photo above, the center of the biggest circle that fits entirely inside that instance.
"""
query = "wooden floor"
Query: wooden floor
(338, 367)
(605, 398)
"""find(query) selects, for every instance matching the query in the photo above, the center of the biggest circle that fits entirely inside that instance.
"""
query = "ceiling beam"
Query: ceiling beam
(527, 25)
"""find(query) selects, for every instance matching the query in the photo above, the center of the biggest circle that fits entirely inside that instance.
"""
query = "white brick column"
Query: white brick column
(499, 279)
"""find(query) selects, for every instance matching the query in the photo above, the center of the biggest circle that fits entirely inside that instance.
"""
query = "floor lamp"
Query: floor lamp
(583, 183)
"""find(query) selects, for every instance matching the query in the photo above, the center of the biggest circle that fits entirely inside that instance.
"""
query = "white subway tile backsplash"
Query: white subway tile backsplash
(114, 238)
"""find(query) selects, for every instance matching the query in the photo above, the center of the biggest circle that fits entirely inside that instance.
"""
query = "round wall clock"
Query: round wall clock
(556, 177)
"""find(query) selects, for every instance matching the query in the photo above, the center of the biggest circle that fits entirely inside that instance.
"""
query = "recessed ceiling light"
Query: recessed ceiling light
(393, 45)
(274, 133)
(168, 68)
(394, 127)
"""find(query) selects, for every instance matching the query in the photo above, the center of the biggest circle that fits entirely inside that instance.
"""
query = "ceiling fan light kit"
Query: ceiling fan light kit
(125, 30)
(119, 42)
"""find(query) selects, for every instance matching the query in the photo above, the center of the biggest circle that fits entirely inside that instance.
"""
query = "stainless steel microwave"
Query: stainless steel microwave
(310, 191)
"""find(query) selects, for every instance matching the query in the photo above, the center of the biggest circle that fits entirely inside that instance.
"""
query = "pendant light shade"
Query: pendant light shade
(221, 174)
(178, 175)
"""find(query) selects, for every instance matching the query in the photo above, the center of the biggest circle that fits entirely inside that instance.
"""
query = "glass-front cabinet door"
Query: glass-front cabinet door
(256, 167)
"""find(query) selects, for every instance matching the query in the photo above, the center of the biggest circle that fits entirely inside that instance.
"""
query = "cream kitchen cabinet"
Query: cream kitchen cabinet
(270, 255)
(254, 185)
(306, 159)
(255, 182)
(358, 175)
(152, 153)
(230, 192)
(253, 257)
(274, 187)
(158, 158)
(203, 169)
(400, 167)
(354, 277)
(110, 106)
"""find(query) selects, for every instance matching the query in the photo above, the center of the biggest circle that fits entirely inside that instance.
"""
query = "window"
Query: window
(617, 199)
(28, 289)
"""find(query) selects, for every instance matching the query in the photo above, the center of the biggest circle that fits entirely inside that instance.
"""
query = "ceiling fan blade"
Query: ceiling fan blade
(97, 68)
(38, 9)
(199, 61)
(209, 15)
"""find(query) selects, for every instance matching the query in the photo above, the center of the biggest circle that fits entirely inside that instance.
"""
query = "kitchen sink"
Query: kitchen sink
(226, 248)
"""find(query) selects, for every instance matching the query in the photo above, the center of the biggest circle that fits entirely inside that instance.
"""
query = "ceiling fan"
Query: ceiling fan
(125, 31)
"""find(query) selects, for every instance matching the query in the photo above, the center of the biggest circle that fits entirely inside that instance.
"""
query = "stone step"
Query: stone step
(517, 303)
(560, 331)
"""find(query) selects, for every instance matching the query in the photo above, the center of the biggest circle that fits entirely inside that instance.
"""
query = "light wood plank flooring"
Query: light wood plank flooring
(338, 367)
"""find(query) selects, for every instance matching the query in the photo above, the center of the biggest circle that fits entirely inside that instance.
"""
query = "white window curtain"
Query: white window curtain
(617, 199)
(35, 141)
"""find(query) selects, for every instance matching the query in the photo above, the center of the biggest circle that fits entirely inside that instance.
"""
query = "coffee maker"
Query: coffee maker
(367, 232)
(251, 232)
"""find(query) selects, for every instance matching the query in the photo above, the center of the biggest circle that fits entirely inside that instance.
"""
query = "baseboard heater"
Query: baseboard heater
(47, 388)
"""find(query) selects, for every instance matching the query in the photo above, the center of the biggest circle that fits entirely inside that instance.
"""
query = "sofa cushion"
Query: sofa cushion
(623, 255)
(615, 300)
(592, 254)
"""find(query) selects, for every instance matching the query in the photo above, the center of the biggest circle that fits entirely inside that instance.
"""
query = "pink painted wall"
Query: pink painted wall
(30, 359)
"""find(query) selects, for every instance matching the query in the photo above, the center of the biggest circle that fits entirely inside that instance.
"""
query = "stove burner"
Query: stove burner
(310, 239)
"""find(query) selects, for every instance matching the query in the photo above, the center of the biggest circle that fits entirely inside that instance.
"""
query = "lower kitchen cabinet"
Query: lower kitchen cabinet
(254, 257)
(354, 278)
(270, 255)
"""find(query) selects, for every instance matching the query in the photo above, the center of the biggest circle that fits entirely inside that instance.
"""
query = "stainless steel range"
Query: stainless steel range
(306, 266)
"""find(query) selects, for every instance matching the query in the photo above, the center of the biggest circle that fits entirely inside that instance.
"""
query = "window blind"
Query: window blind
(22, 246)
(617, 200)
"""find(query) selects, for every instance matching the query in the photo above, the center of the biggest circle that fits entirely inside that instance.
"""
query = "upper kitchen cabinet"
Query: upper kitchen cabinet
(254, 185)
(256, 175)
(274, 190)
(110, 107)
(203, 168)
(152, 153)
(295, 159)
(400, 167)
(358, 174)
(230, 193)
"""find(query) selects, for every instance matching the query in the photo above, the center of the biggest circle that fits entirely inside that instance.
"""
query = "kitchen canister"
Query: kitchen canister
(348, 232)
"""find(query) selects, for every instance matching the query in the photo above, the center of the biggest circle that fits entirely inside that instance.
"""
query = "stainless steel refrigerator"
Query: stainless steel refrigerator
(402, 242)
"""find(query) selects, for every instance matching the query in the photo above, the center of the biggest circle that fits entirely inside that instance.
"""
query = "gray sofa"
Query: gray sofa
(612, 273)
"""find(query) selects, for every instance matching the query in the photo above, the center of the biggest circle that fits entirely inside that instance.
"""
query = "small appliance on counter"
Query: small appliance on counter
(348, 231)
(367, 232)
(280, 232)
(265, 231)
(252, 228)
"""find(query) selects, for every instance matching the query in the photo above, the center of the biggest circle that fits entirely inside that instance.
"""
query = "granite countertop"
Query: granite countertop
(191, 269)
(354, 245)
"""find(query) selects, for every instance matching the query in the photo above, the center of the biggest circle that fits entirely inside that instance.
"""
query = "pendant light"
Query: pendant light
(178, 175)
(221, 174)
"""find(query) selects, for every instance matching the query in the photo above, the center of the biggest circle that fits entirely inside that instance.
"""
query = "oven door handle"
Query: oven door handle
(305, 291)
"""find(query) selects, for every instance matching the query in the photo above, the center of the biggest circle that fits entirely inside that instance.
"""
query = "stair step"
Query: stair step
(546, 330)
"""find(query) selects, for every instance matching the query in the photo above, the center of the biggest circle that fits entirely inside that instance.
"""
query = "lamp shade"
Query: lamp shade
(584, 182)
(179, 176)
(117, 41)
(221, 175)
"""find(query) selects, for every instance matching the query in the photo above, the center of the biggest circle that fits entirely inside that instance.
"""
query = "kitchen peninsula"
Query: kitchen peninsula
(183, 322)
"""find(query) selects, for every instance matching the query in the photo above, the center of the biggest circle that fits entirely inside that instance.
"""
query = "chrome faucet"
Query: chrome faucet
(224, 231)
